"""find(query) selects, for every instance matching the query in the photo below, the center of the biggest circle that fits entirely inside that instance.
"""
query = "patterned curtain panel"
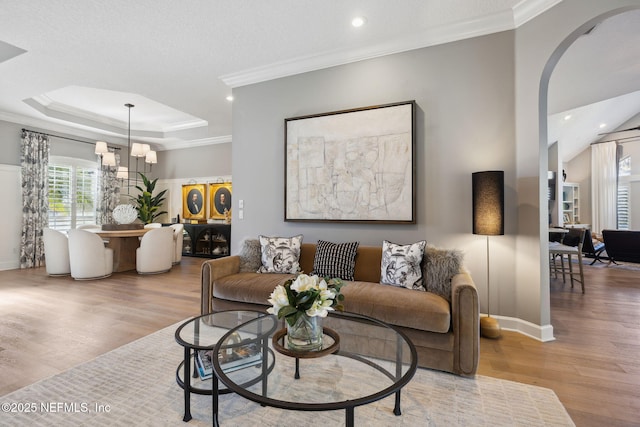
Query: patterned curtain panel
(35, 197)
(108, 193)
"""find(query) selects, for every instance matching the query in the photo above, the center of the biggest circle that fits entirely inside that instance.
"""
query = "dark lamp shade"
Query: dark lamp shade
(488, 203)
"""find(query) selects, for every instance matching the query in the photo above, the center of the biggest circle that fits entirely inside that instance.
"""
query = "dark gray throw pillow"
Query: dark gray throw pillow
(335, 259)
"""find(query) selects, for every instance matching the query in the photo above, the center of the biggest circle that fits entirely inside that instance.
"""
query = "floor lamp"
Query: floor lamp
(488, 220)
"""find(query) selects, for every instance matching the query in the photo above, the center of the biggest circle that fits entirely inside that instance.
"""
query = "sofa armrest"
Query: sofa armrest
(465, 315)
(211, 271)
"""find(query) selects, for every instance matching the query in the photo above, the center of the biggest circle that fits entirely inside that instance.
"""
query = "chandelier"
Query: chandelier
(137, 150)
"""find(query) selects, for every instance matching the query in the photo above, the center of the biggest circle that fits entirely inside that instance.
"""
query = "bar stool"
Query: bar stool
(571, 246)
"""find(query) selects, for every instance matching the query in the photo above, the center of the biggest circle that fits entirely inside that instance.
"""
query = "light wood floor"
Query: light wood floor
(48, 325)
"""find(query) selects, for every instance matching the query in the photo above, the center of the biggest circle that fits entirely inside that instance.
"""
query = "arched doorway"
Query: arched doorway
(544, 88)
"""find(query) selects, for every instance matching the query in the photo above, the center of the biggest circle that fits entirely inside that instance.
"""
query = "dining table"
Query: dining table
(124, 244)
(556, 234)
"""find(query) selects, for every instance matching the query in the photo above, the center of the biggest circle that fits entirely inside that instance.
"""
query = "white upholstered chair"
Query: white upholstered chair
(88, 257)
(178, 238)
(56, 252)
(155, 254)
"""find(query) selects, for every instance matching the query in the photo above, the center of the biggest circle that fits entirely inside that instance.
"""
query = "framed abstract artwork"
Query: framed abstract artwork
(193, 201)
(220, 200)
(354, 165)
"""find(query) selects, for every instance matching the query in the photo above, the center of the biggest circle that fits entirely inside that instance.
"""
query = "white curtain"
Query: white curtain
(604, 186)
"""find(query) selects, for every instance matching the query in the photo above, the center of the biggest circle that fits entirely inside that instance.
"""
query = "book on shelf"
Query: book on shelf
(231, 359)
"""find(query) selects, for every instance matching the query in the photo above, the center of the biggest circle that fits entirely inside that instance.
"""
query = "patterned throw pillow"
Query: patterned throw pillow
(401, 265)
(280, 254)
(335, 259)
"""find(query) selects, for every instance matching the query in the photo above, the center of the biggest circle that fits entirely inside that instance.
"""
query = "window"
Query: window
(73, 192)
(624, 172)
(623, 207)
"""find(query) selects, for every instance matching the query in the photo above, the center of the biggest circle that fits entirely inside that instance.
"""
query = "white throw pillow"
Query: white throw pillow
(401, 265)
(280, 254)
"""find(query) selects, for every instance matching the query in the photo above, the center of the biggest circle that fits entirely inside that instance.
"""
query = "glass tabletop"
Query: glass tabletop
(204, 332)
(374, 360)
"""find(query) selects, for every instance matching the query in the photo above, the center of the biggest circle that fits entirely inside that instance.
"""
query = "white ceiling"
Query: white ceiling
(595, 88)
(70, 66)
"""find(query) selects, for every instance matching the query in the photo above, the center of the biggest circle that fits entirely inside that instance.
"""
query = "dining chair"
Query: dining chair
(178, 239)
(571, 246)
(155, 254)
(56, 252)
(88, 257)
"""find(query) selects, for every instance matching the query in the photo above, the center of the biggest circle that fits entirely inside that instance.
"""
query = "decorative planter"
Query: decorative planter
(305, 334)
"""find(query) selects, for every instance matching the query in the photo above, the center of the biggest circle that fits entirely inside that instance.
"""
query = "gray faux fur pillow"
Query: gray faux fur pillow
(250, 252)
(439, 267)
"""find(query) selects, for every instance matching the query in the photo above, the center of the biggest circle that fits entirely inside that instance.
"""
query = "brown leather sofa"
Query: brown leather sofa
(446, 334)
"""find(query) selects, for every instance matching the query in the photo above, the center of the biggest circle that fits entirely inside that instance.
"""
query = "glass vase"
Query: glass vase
(305, 334)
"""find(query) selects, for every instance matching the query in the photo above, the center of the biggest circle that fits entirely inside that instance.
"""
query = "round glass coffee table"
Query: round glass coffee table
(374, 360)
(238, 350)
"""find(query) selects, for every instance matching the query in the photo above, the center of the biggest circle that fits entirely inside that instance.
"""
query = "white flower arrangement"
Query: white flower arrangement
(306, 295)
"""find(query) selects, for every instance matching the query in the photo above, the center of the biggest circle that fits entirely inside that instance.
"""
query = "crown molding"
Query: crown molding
(50, 126)
(50, 108)
(526, 10)
(177, 145)
(502, 21)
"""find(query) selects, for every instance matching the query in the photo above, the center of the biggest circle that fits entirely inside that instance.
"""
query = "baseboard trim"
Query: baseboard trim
(9, 265)
(542, 333)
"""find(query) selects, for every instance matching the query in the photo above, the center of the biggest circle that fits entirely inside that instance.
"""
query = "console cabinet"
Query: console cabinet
(207, 240)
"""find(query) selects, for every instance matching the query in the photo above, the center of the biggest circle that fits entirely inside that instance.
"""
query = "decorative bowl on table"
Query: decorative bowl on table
(124, 214)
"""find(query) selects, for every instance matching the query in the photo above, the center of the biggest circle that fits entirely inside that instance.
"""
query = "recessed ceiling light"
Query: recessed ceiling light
(603, 125)
(358, 21)
(567, 117)
(230, 98)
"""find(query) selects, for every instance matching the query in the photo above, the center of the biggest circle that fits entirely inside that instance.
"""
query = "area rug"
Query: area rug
(622, 265)
(134, 385)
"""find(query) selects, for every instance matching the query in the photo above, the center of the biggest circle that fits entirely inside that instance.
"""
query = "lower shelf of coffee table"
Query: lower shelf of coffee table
(204, 386)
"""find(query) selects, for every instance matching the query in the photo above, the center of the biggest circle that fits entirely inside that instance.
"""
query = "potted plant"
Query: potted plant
(146, 203)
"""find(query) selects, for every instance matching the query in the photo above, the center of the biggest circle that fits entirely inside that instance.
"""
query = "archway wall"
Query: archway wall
(539, 44)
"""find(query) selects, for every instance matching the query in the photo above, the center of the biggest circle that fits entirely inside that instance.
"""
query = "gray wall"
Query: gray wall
(465, 123)
(11, 133)
(482, 104)
(10, 143)
(192, 162)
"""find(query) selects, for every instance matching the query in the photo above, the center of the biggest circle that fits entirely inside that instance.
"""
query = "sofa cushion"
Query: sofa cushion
(335, 259)
(439, 267)
(401, 265)
(398, 306)
(280, 254)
